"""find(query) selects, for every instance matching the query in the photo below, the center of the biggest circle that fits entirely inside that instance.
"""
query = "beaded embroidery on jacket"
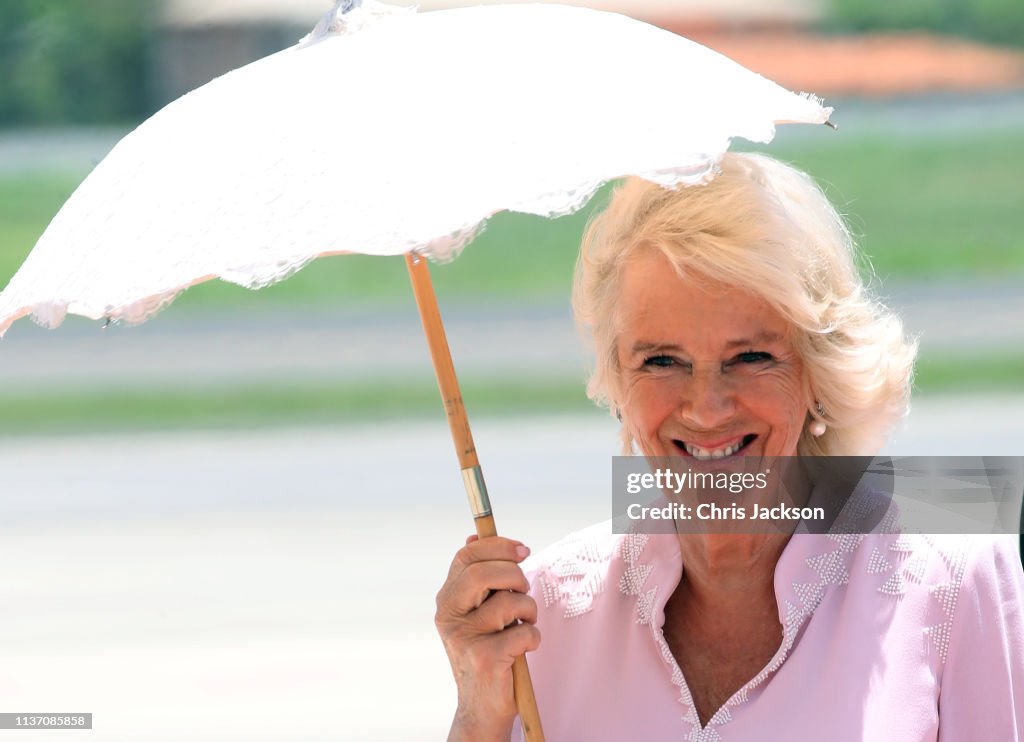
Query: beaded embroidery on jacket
(898, 562)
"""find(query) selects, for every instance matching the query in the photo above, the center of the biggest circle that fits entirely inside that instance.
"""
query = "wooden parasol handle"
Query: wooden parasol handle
(472, 476)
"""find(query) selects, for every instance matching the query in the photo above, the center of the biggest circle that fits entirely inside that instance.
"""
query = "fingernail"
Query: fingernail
(522, 551)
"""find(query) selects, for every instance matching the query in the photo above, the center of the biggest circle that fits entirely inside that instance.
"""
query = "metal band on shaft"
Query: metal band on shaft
(476, 490)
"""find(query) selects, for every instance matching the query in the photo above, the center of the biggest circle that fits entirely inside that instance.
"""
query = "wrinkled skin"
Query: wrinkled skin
(486, 620)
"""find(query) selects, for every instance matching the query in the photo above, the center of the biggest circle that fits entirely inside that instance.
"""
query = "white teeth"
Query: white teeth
(703, 454)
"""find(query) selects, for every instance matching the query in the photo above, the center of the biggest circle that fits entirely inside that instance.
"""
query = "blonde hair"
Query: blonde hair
(767, 228)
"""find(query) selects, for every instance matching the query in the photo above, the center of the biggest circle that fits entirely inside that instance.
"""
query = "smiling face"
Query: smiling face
(707, 370)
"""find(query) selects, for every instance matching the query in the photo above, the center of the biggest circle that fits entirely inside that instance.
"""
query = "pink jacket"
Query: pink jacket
(886, 637)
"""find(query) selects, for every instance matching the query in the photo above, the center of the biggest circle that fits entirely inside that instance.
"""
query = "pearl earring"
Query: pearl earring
(817, 428)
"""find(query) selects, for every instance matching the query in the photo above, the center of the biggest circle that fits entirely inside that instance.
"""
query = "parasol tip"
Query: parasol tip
(832, 126)
(348, 16)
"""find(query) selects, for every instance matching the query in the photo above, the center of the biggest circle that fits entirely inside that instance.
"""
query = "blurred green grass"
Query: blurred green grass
(277, 404)
(339, 404)
(930, 207)
(938, 206)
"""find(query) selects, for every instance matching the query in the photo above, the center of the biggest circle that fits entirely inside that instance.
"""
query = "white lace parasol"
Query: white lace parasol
(386, 131)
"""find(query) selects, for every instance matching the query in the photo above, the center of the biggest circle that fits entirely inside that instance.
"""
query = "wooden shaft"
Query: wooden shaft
(526, 701)
(458, 423)
(444, 369)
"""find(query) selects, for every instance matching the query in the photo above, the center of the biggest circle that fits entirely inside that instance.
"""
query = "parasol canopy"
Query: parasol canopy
(383, 132)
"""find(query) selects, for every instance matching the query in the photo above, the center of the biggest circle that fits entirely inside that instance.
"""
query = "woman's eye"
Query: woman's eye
(660, 361)
(752, 356)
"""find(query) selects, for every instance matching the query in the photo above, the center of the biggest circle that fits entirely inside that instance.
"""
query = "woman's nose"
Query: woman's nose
(709, 401)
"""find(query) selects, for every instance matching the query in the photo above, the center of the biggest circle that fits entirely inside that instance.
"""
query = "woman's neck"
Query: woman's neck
(721, 623)
(729, 571)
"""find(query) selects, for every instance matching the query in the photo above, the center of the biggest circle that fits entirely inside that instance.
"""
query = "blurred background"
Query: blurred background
(229, 523)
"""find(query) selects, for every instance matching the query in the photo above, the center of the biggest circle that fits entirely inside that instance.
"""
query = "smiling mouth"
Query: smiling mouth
(708, 454)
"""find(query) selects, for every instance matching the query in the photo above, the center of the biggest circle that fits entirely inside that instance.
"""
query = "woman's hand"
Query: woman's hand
(479, 608)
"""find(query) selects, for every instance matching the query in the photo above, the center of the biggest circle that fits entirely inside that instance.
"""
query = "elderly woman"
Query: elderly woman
(729, 320)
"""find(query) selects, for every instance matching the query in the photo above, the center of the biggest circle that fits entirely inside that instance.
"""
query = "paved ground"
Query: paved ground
(279, 585)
